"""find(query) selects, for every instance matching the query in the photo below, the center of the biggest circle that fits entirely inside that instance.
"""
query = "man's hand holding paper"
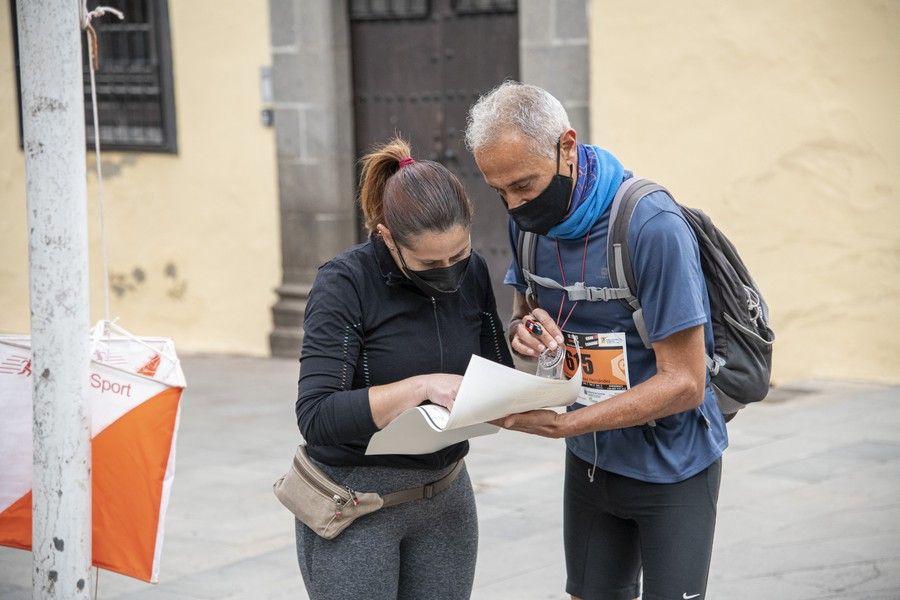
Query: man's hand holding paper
(546, 423)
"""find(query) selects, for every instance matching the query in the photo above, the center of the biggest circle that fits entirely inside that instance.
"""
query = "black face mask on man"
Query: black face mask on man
(439, 281)
(548, 208)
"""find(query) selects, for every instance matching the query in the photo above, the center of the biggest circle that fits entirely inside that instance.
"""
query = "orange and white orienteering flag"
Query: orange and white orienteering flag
(135, 391)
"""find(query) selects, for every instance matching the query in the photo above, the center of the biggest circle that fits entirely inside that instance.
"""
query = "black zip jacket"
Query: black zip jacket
(366, 324)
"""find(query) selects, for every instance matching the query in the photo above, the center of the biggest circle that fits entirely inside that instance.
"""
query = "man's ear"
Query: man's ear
(568, 147)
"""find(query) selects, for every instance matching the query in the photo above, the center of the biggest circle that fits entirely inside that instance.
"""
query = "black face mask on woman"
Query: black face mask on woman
(548, 208)
(439, 281)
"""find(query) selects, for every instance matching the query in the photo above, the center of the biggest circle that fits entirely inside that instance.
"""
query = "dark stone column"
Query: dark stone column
(311, 81)
(555, 54)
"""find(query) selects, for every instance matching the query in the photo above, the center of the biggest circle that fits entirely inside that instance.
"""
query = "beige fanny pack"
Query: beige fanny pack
(328, 508)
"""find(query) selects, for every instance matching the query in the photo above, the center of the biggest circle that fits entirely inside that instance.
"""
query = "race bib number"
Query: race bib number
(604, 364)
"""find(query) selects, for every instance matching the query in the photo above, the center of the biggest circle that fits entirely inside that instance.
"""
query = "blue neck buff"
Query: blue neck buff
(599, 176)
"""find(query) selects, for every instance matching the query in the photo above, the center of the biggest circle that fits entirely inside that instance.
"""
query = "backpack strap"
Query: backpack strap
(526, 246)
(578, 291)
(621, 273)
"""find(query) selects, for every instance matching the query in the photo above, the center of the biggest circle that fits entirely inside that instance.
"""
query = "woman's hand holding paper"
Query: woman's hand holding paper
(388, 401)
(441, 388)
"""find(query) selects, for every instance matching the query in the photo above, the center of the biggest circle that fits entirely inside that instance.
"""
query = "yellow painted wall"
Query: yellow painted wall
(193, 237)
(780, 118)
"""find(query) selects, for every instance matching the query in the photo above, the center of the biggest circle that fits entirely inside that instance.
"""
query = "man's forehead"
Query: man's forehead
(507, 160)
(508, 143)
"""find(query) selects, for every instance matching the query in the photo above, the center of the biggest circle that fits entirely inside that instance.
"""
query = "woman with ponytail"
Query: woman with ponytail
(391, 324)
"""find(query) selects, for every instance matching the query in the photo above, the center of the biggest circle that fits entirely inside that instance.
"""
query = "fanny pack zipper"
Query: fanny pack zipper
(340, 495)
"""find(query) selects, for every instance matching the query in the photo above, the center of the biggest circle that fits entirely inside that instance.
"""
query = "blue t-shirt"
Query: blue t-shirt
(672, 293)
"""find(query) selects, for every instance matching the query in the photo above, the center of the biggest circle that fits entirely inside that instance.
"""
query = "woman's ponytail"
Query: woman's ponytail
(377, 168)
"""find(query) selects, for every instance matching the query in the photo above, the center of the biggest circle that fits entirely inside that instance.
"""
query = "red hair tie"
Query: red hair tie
(405, 162)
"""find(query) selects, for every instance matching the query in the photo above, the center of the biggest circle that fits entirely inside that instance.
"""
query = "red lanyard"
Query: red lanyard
(563, 273)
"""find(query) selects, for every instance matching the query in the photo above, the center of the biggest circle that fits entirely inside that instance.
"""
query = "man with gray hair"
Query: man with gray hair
(645, 440)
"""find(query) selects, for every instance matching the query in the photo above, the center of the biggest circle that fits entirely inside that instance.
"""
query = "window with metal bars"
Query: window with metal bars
(376, 10)
(380, 10)
(483, 7)
(135, 99)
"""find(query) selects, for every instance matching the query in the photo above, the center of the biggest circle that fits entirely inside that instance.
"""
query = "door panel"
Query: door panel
(481, 50)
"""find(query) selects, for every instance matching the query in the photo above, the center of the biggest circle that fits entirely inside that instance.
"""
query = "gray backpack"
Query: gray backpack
(741, 365)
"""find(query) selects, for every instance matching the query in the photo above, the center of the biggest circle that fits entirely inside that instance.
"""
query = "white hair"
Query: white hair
(526, 109)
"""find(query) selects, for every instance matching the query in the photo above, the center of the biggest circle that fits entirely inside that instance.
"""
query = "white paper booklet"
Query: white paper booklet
(489, 391)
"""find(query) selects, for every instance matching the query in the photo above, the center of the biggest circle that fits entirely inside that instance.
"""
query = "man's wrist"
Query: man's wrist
(561, 425)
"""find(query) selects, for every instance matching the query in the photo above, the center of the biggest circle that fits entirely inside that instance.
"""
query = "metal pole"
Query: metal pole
(54, 143)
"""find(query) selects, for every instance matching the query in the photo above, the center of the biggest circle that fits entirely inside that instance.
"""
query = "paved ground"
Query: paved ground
(809, 508)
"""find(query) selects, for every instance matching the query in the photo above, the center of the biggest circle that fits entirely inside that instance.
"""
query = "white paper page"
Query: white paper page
(436, 416)
(490, 390)
(413, 433)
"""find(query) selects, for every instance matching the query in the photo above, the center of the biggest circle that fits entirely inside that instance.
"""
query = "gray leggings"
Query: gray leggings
(419, 549)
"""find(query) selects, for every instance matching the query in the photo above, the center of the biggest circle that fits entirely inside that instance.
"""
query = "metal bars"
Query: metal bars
(134, 82)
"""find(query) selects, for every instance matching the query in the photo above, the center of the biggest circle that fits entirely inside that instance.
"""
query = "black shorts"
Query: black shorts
(617, 525)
